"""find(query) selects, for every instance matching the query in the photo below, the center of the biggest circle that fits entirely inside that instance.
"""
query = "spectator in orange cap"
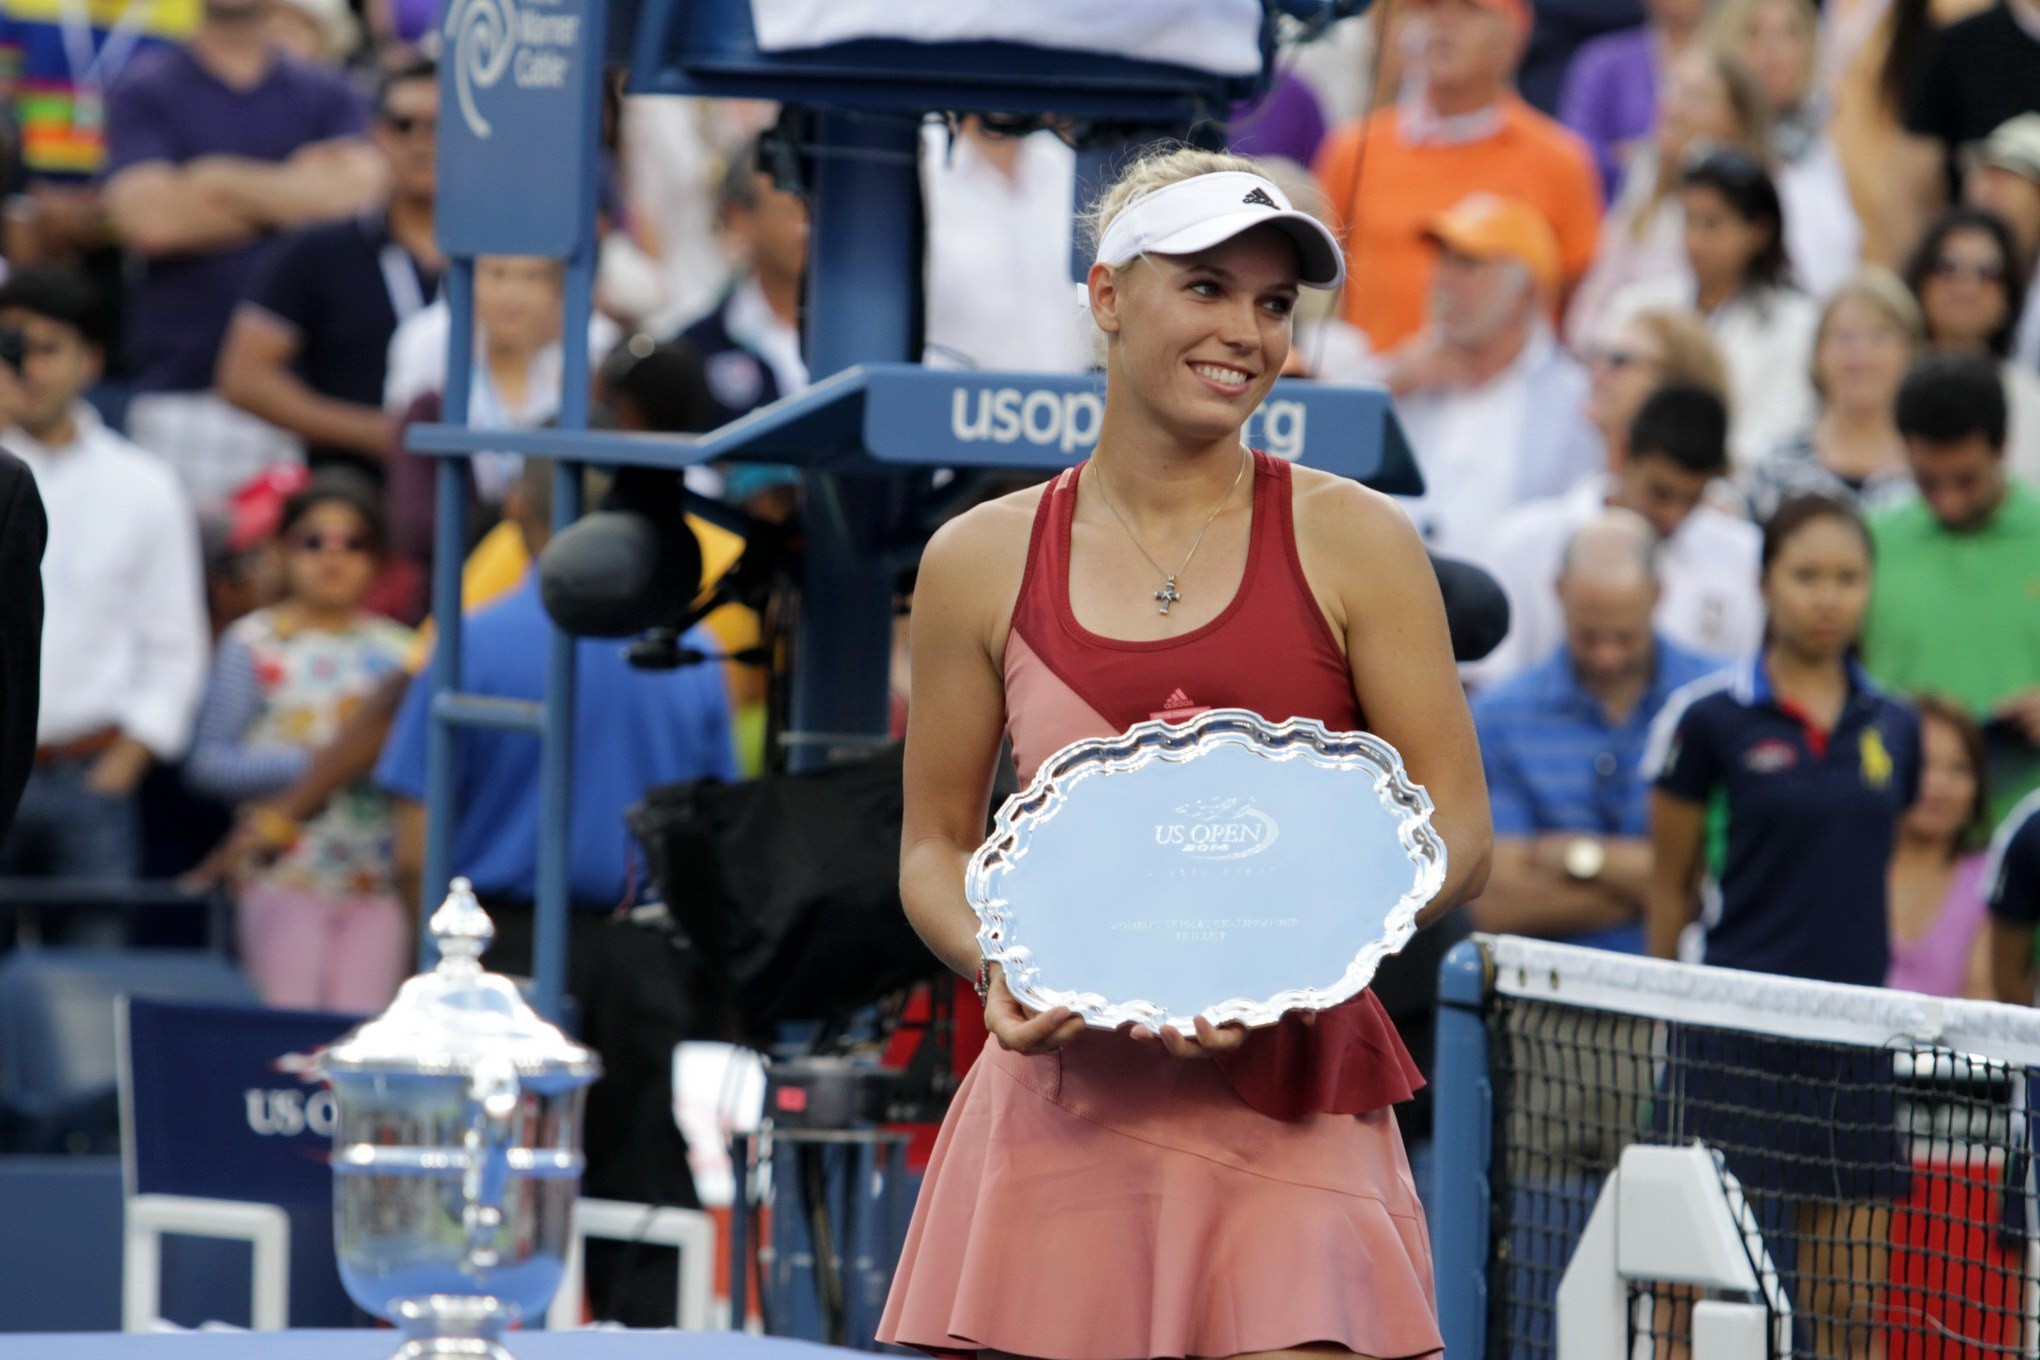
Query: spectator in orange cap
(1491, 403)
(1458, 128)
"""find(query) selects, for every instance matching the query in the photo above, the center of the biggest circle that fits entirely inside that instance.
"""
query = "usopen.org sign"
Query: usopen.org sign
(915, 415)
(517, 149)
(1069, 421)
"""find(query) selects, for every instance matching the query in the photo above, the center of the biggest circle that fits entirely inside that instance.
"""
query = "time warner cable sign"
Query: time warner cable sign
(518, 81)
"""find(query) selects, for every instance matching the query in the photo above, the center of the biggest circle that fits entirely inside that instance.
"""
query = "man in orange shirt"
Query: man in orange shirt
(1458, 128)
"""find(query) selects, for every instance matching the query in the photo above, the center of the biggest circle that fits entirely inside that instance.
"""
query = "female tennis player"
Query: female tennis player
(1114, 1196)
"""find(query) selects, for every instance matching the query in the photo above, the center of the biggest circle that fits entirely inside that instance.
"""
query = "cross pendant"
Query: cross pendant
(1167, 595)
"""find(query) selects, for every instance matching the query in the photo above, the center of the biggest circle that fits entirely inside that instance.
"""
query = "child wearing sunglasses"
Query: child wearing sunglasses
(320, 927)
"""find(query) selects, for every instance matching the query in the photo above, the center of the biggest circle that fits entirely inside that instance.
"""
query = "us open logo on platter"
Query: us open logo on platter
(1219, 829)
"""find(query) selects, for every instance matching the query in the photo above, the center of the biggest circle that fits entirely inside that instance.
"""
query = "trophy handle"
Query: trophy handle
(495, 1092)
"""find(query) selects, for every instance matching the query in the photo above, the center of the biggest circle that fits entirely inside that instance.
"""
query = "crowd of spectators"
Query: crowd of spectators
(1641, 282)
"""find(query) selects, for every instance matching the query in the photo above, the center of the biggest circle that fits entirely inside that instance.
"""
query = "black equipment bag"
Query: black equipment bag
(788, 887)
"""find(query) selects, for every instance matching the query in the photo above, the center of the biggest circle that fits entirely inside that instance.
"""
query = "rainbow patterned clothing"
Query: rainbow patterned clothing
(57, 59)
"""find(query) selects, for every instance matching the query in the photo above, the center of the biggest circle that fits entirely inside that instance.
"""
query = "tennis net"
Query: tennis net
(1872, 1147)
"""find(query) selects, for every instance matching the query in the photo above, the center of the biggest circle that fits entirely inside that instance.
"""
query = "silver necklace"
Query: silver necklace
(1168, 594)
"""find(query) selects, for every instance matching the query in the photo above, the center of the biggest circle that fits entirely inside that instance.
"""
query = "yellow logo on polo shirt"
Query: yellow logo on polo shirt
(1876, 760)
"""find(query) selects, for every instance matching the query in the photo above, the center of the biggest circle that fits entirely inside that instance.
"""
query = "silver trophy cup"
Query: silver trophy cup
(457, 1155)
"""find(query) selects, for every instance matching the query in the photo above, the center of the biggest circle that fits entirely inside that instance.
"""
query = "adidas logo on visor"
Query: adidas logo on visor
(1259, 196)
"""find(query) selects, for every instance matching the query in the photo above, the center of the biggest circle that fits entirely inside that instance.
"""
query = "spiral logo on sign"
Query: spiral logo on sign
(482, 36)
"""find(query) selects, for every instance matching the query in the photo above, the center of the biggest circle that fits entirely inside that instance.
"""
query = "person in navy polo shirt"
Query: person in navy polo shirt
(1810, 767)
(2012, 878)
(1814, 766)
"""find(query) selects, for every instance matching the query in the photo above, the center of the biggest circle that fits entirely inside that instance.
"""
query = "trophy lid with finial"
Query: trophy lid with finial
(447, 1020)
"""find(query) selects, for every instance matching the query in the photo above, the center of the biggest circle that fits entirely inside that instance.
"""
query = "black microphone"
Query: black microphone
(631, 566)
(1476, 610)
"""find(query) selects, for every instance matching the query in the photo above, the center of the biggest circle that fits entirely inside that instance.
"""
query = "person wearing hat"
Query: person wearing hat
(1212, 1191)
(1459, 128)
(1491, 403)
(2001, 175)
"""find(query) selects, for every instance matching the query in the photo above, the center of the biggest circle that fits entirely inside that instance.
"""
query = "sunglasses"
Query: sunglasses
(318, 543)
(1962, 269)
(404, 124)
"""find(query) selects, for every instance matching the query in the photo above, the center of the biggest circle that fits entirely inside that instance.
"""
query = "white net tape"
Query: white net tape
(1790, 1008)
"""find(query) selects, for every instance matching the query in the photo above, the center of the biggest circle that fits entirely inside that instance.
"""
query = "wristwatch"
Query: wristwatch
(1585, 857)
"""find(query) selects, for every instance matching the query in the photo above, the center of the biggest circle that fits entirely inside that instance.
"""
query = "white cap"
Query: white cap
(1196, 214)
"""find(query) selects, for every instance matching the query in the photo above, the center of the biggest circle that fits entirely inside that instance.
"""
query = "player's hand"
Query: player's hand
(1207, 1040)
(1020, 1030)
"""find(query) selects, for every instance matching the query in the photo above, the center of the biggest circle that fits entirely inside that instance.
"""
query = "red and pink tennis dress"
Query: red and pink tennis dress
(1110, 1202)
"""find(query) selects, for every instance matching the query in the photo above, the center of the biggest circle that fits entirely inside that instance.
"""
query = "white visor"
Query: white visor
(1197, 214)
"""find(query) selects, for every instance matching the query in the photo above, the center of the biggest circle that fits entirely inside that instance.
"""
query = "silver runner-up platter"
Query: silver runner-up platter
(1227, 867)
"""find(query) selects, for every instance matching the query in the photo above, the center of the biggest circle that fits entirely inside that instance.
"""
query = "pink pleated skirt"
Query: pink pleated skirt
(1111, 1202)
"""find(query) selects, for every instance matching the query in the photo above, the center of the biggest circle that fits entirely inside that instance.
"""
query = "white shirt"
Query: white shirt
(2026, 340)
(1767, 342)
(1823, 238)
(752, 323)
(1707, 578)
(417, 365)
(1483, 450)
(124, 623)
(2022, 421)
(997, 262)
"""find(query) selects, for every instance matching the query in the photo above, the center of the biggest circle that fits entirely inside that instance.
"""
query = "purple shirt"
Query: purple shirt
(1937, 963)
(1287, 121)
(1610, 97)
(166, 107)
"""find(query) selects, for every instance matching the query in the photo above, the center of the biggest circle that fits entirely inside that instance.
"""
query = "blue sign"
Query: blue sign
(520, 103)
(214, 1113)
(1027, 420)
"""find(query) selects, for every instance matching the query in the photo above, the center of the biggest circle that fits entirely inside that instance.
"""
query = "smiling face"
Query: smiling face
(1197, 340)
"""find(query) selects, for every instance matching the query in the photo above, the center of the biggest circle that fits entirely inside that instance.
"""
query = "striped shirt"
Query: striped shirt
(1556, 763)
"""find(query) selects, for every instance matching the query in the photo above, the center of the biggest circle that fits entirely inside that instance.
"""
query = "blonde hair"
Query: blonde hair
(1884, 293)
(1690, 354)
(1157, 168)
(1731, 26)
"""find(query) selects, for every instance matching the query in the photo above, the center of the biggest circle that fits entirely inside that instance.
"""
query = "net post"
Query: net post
(1463, 1124)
